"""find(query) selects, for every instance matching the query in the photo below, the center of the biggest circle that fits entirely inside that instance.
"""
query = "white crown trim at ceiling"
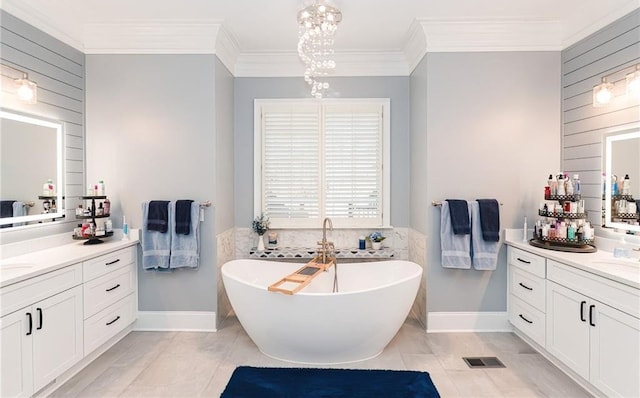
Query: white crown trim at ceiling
(348, 64)
(146, 37)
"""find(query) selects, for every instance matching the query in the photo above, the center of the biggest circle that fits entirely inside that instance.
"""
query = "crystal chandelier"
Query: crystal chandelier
(318, 24)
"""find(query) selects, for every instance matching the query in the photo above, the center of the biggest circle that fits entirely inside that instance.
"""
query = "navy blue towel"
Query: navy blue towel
(6, 208)
(489, 219)
(183, 216)
(459, 211)
(6, 211)
(158, 217)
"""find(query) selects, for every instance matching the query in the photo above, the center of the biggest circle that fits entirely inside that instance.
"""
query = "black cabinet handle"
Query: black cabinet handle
(525, 319)
(30, 324)
(525, 286)
(524, 261)
(591, 307)
(582, 304)
(39, 318)
(113, 288)
(109, 323)
(112, 262)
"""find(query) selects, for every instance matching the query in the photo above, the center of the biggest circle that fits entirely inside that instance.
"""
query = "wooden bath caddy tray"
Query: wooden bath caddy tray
(301, 278)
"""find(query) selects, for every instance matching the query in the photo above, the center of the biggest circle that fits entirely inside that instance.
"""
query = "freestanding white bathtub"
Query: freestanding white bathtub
(316, 326)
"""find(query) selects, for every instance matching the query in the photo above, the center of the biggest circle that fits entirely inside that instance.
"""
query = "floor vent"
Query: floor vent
(483, 362)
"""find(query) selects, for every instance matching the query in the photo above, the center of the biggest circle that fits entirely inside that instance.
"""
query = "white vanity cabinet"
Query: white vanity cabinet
(110, 303)
(43, 337)
(527, 298)
(587, 323)
(590, 336)
(73, 303)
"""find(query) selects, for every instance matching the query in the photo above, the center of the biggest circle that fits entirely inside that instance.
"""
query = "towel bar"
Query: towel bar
(439, 203)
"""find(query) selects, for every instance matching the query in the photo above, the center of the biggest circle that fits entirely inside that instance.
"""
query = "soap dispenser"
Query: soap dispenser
(626, 185)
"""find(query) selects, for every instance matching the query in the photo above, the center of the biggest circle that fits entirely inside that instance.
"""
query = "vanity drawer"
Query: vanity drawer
(527, 261)
(527, 319)
(25, 293)
(107, 289)
(106, 263)
(108, 322)
(527, 287)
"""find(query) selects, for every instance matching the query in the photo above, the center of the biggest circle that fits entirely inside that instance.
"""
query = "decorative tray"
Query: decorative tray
(566, 198)
(553, 245)
(91, 217)
(625, 216)
(561, 215)
(93, 240)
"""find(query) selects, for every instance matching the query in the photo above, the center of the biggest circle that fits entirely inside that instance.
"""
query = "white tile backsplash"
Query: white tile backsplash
(396, 238)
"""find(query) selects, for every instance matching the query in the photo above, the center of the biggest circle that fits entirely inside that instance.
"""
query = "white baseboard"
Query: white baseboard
(440, 322)
(183, 321)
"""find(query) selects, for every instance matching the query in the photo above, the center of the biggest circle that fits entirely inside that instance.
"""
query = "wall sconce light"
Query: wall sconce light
(26, 90)
(633, 82)
(603, 93)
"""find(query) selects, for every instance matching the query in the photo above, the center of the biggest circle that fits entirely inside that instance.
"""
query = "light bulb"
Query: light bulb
(26, 90)
(602, 93)
(633, 82)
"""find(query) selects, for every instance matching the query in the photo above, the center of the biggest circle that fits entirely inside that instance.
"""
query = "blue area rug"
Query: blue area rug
(250, 382)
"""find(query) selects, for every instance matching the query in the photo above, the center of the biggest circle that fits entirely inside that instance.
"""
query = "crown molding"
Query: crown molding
(348, 64)
(227, 49)
(415, 47)
(33, 17)
(469, 35)
(144, 37)
(574, 37)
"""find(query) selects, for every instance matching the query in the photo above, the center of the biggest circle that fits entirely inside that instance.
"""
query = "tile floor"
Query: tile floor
(181, 364)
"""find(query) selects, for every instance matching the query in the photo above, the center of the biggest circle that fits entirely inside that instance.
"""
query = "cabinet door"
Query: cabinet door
(57, 335)
(568, 328)
(16, 377)
(615, 352)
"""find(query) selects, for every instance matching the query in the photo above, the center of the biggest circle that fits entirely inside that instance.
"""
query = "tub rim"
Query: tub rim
(419, 272)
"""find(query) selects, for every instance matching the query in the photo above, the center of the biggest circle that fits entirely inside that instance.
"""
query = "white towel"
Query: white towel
(485, 254)
(456, 249)
(19, 210)
(156, 245)
(185, 249)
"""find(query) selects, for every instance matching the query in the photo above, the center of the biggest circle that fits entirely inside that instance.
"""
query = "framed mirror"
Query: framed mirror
(31, 159)
(622, 159)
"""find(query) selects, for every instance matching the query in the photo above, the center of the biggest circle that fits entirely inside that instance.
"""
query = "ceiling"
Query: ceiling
(257, 27)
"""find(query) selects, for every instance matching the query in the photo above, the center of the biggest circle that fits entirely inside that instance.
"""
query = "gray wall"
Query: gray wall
(224, 199)
(151, 135)
(615, 47)
(59, 70)
(493, 131)
(396, 88)
(419, 166)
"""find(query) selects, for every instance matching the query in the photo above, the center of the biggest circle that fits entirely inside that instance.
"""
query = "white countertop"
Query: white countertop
(18, 268)
(601, 263)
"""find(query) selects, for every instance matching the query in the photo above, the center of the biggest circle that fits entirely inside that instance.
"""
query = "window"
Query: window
(316, 159)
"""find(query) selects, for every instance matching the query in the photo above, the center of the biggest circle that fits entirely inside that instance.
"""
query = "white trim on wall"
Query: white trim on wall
(180, 321)
(441, 322)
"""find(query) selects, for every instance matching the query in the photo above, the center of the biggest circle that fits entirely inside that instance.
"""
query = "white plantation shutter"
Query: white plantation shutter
(321, 159)
(353, 162)
(291, 169)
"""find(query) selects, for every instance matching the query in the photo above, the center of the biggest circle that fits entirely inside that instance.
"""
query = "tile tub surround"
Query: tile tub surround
(396, 239)
(225, 252)
(418, 254)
